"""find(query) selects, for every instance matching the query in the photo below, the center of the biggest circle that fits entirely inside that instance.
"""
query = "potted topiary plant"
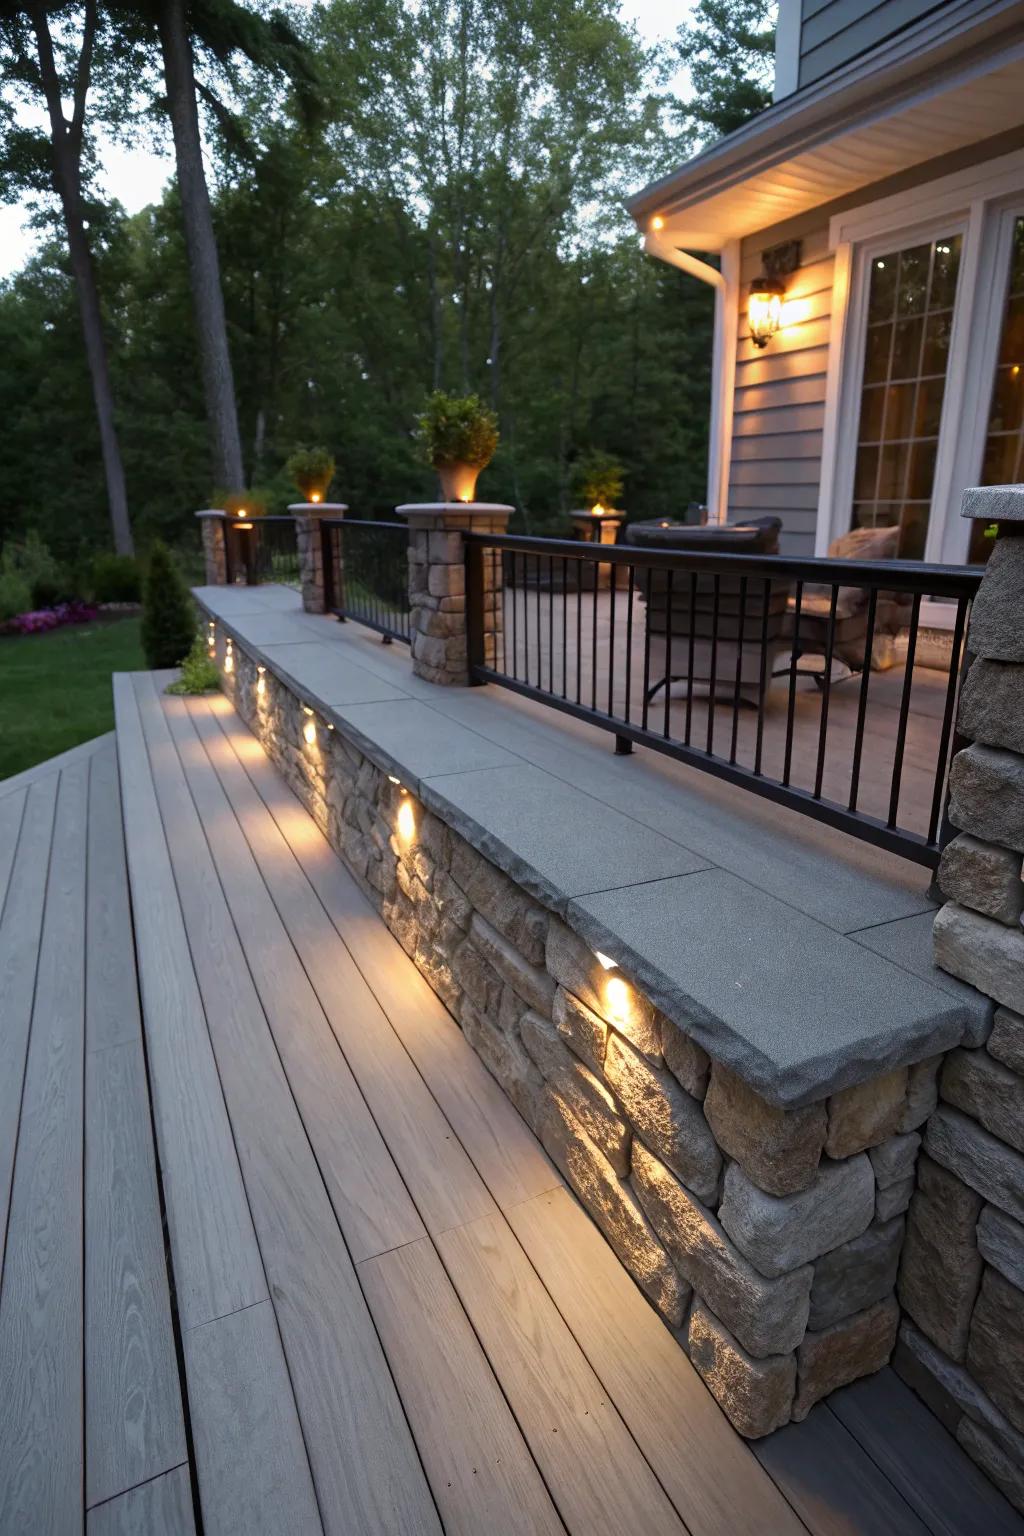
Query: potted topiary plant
(458, 436)
(312, 470)
(597, 480)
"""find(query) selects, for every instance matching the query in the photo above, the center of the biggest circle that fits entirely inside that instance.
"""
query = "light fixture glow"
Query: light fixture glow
(261, 682)
(657, 222)
(314, 496)
(309, 732)
(617, 1000)
(406, 821)
(597, 510)
(229, 662)
(764, 309)
(393, 780)
(604, 960)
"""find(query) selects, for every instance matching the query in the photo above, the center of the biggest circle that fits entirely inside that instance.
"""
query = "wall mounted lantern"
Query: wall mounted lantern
(764, 308)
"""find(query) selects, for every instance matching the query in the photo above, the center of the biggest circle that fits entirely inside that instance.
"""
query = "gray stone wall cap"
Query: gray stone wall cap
(463, 508)
(211, 512)
(317, 508)
(994, 503)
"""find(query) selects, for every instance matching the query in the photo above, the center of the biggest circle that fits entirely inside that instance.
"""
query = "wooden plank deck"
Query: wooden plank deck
(378, 1310)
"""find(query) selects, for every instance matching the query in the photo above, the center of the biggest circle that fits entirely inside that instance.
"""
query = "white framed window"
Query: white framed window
(927, 322)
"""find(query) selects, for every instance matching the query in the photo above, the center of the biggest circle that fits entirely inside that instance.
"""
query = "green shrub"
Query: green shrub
(240, 503)
(115, 579)
(15, 595)
(598, 479)
(198, 673)
(312, 470)
(168, 617)
(457, 429)
(32, 561)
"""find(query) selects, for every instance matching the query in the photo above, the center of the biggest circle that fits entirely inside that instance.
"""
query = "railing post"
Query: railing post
(215, 553)
(311, 545)
(437, 588)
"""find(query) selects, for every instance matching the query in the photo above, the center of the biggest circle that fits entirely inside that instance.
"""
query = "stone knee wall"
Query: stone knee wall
(767, 1239)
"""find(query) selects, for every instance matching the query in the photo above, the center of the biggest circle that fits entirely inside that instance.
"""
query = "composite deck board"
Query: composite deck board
(596, 1475)
(20, 930)
(484, 1478)
(54, 765)
(365, 1467)
(12, 809)
(505, 1152)
(162, 1507)
(41, 1410)
(254, 1478)
(217, 1265)
(112, 1012)
(369, 1198)
(711, 1476)
(935, 1476)
(832, 1483)
(445, 1186)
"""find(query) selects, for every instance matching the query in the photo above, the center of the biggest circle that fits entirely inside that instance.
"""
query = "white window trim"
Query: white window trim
(978, 202)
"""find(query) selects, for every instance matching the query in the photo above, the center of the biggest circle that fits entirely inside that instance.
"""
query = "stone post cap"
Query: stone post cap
(317, 508)
(994, 503)
(461, 508)
(586, 514)
(212, 512)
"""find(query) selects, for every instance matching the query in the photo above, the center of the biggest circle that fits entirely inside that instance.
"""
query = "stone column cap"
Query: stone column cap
(463, 508)
(317, 508)
(598, 517)
(994, 503)
(212, 512)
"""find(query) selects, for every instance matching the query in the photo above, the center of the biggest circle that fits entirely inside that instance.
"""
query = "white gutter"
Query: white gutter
(723, 356)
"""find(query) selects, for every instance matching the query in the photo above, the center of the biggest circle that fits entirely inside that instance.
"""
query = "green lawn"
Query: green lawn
(55, 688)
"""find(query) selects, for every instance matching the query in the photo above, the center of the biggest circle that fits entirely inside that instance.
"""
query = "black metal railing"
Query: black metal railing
(262, 549)
(814, 683)
(366, 574)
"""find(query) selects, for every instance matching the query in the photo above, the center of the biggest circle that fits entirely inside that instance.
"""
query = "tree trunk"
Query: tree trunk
(204, 267)
(67, 140)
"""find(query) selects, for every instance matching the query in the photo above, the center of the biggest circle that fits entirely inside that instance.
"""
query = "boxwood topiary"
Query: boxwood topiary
(168, 617)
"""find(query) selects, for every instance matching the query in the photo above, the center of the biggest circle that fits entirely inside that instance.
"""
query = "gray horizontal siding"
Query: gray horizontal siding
(832, 32)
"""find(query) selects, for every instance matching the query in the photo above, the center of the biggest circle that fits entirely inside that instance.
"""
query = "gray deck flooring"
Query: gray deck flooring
(377, 1309)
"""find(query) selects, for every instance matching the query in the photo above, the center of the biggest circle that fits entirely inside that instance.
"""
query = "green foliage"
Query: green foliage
(198, 673)
(729, 48)
(312, 470)
(240, 503)
(457, 429)
(115, 579)
(168, 617)
(15, 595)
(598, 479)
(31, 561)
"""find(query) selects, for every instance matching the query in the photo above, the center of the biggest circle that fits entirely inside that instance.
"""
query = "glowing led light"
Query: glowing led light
(309, 732)
(406, 821)
(229, 662)
(597, 510)
(393, 780)
(764, 310)
(657, 222)
(604, 960)
(617, 1000)
(314, 496)
(261, 682)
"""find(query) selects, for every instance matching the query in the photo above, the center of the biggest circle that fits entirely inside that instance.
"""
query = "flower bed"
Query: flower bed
(40, 620)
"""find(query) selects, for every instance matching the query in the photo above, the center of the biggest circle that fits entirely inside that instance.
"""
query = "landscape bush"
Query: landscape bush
(15, 595)
(31, 561)
(198, 673)
(168, 616)
(115, 579)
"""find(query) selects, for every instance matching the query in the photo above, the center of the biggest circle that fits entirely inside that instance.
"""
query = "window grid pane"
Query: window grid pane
(1004, 442)
(911, 295)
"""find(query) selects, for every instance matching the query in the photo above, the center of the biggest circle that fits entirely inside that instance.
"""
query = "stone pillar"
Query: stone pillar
(309, 541)
(600, 528)
(215, 559)
(962, 1272)
(437, 585)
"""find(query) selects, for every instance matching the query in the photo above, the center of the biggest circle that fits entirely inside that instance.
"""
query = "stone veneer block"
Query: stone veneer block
(941, 1268)
(1006, 1042)
(1001, 1244)
(894, 1199)
(615, 1208)
(532, 983)
(895, 1160)
(922, 1093)
(779, 1233)
(984, 1449)
(910, 942)
(986, 795)
(581, 1028)
(497, 898)
(585, 1095)
(856, 1274)
(780, 1149)
(862, 1116)
(982, 952)
(685, 1059)
(992, 704)
(768, 1317)
(756, 1395)
(572, 963)
(995, 1355)
(858, 1346)
(506, 1059)
(982, 875)
(795, 1009)
(665, 1117)
(988, 1091)
(995, 630)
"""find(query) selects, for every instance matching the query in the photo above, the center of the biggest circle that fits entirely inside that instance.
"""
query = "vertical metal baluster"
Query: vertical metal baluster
(901, 730)
(645, 708)
(693, 643)
(739, 669)
(862, 703)
(611, 640)
(939, 826)
(551, 625)
(793, 659)
(593, 638)
(713, 680)
(629, 639)
(668, 651)
(826, 691)
(762, 682)
(515, 620)
(565, 624)
(580, 567)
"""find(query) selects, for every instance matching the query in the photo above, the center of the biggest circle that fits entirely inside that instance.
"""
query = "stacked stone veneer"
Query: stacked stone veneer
(769, 1239)
(962, 1275)
(437, 586)
(215, 560)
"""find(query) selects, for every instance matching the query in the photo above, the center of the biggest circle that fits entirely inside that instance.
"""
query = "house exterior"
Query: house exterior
(885, 189)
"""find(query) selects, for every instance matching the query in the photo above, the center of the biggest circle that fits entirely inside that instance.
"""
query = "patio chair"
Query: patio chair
(892, 610)
(679, 604)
